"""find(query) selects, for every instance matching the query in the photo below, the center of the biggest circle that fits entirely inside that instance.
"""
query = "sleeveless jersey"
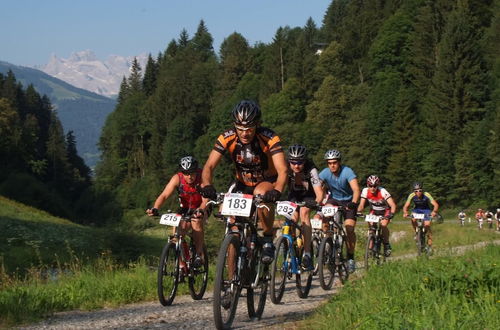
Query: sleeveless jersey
(377, 200)
(423, 203)
(304, 181)
(189, 197)
(253, 161)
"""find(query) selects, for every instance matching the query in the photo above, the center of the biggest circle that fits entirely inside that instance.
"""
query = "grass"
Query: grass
(439, 293)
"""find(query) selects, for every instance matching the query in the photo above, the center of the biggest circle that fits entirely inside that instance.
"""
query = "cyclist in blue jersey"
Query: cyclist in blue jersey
(422, 202)
(343, 186)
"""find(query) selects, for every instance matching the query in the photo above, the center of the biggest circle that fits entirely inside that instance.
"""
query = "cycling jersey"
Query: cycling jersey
(489, 216)
(253, 161)
(339, 186)
(189, 197)
(301, 185)
(377, 200)
(461, 215)
(423, 203)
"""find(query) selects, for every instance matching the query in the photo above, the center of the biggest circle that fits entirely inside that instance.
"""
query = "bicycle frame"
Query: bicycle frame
(294, 260)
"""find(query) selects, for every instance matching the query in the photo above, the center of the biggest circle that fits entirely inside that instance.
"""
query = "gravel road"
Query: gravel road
(185, 313)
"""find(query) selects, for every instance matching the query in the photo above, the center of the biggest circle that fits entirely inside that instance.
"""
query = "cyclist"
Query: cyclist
(489, 218)
(186, 181)
(480, 217)
(343, 186)
(304, 185)
(381, 203)
(422, 202)
(260, 164)
(497, 217)
(461, 217)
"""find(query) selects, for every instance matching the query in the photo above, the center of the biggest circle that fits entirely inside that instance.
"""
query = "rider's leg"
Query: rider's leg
(350, 225)
(306, 228)
(198, 235)
(385, 230)
(266, 217)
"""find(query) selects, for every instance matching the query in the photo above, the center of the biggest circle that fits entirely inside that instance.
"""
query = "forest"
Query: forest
(405, 89)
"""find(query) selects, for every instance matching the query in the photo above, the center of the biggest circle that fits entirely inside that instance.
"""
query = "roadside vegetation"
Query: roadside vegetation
(439, 293)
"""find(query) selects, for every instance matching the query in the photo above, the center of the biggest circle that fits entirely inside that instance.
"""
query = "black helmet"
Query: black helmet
(246, 113)
(188, 164)
(417, 185)
(297, 152)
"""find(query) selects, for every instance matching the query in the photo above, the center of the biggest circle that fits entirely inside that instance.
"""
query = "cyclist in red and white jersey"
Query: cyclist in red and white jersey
(381, 203)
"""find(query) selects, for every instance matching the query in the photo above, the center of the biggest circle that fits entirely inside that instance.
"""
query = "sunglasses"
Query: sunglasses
(296, 162)
(372, 186)
(417, 190)
(188, 172)
(244, 128)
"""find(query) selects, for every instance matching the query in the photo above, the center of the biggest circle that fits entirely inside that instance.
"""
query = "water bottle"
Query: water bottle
(299, 242)
(286, 229)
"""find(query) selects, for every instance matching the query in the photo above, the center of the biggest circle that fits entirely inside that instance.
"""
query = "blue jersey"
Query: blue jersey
(339, 186)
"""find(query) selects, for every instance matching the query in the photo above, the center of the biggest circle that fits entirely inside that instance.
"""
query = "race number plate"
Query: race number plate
(170, 219)
(372, 218)
(420, 216)
(286, 209)
(329, 211)
(316, 223)
(237, 205)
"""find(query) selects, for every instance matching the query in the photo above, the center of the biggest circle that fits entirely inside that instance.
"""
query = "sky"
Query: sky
(33, 30)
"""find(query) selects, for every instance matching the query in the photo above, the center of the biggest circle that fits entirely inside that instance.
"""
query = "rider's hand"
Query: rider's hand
(390, 215)
(152, 212)
(405, 214)
(198, 213)
(433, 214)
(311, 204)
(352, 206)
(209, 192)
(272, 196)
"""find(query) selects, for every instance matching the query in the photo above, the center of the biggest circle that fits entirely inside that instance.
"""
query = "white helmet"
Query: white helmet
(333, 154)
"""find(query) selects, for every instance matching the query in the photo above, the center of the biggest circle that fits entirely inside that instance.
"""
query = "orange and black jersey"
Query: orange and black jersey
(253, 161)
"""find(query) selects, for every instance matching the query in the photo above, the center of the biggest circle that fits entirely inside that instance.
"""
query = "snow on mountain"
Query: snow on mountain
(84, 70)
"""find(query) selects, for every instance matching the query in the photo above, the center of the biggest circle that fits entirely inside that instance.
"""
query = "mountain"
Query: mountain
(79, 110)
(84, 70)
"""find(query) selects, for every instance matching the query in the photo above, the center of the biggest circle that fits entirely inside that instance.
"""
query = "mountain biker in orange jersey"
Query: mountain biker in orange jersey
(260, 164)
(304, 185)
(186, 182)
(479, 218)
(381, 203)
(422, 202)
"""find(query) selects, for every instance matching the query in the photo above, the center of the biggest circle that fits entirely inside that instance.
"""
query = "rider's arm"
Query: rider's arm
(392, 204)
(356, 192)
(406, 206)
(208, 170)
(436, 207)
(361, 205)
(317, 185)
(165, 194)
(282, 168)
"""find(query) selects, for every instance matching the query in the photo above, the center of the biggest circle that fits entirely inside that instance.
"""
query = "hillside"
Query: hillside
(80, 111)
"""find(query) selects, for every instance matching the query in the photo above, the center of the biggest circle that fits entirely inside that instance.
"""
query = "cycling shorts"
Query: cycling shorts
(385, 213)
(427, 213)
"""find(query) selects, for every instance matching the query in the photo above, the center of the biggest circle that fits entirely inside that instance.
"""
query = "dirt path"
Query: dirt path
(188, 314)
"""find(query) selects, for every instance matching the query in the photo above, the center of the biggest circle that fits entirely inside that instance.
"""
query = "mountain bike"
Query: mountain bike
(239, 264)
(374, 242)
(317, 237)
(176, 262)
(332, 256)
(288, 257)
(421, 234)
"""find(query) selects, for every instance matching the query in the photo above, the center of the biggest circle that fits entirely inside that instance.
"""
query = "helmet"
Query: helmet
(246, 113)
(333, 154)
(188, 164)
(417, 185)
(373, 181)
(297, 151)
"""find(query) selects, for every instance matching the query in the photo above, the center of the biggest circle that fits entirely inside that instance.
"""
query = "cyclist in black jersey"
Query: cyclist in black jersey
(304, 185)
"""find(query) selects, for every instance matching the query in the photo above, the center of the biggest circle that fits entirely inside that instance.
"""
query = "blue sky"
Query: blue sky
(32, 30)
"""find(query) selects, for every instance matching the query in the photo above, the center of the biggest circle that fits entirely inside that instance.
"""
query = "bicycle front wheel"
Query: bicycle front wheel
(168, 274)
(257, 292)
(280, 269)
(340, 253)
(316, 242)
(303, 280)
(370, 252)
(326, 265)
(199, 278)
(227, 284)
(420, 242)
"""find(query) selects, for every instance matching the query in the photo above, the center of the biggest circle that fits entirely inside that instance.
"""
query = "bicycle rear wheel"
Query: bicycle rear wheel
(280, 268)
(199, 278)
(168, 274)
(227, 285)
(304, 279)
(326, 265)
(340, 254)
(257, 292)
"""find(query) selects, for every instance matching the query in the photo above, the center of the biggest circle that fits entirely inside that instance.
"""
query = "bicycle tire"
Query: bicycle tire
(420, 241)
(199, 278)
(256, 295)
(326, 265)
(369, 251)
(304, 279)
(168, 274)
(280, 268)
(340, 254)
(227, 287)
(316, 242)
